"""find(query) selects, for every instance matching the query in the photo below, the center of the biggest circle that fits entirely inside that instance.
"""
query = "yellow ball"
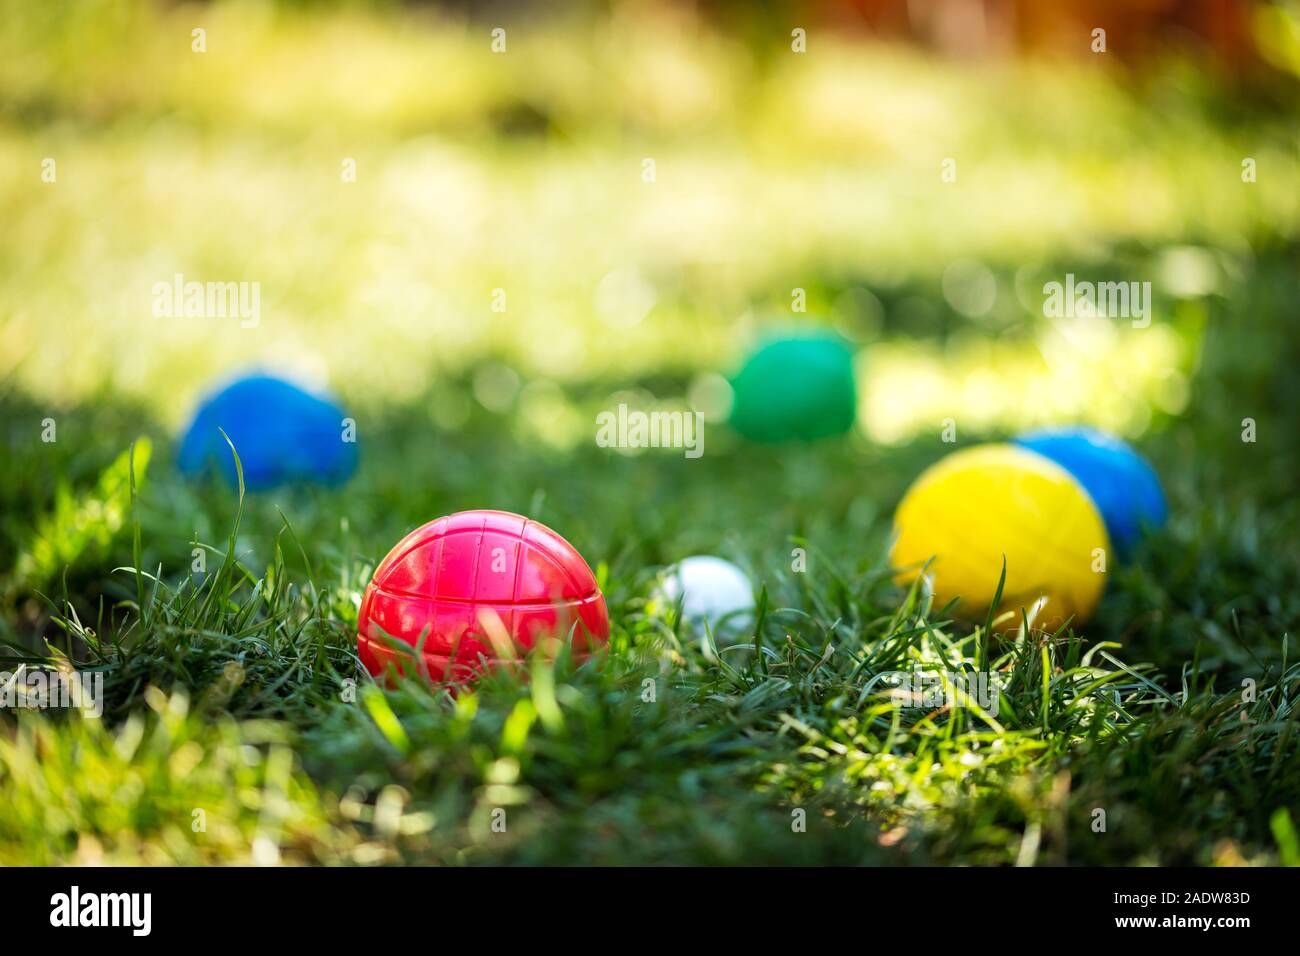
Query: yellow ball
(981, 503)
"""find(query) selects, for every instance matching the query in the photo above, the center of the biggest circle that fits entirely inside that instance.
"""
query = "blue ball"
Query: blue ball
(1125, 489)
(283, 435)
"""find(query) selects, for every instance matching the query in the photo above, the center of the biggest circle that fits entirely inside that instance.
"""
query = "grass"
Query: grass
(238, 726)
(236, 691)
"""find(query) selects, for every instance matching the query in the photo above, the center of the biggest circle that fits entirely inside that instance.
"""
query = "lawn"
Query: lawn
(238, 726)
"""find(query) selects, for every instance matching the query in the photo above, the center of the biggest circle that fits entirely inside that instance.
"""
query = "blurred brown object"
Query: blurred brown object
(1135, 29)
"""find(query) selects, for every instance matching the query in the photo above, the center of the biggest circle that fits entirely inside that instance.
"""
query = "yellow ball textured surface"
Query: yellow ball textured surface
(978, 504)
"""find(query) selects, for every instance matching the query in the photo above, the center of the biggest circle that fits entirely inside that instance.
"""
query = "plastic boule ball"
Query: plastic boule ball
(795, 388)
(283, 434)
(978, 505)
(477, 589)
(1123, 486)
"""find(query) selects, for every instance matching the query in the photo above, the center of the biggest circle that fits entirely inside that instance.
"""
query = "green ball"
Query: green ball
(795, 389)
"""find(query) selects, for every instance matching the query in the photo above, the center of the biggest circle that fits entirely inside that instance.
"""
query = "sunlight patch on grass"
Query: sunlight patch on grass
(1090, 372)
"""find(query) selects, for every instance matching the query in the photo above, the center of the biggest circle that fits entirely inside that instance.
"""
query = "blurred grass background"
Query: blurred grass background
(523, 171)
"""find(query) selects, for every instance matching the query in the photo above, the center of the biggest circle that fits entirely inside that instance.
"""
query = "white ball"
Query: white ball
(714, 591)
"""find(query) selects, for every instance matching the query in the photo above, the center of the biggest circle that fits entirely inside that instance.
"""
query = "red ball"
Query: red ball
(452, 580)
